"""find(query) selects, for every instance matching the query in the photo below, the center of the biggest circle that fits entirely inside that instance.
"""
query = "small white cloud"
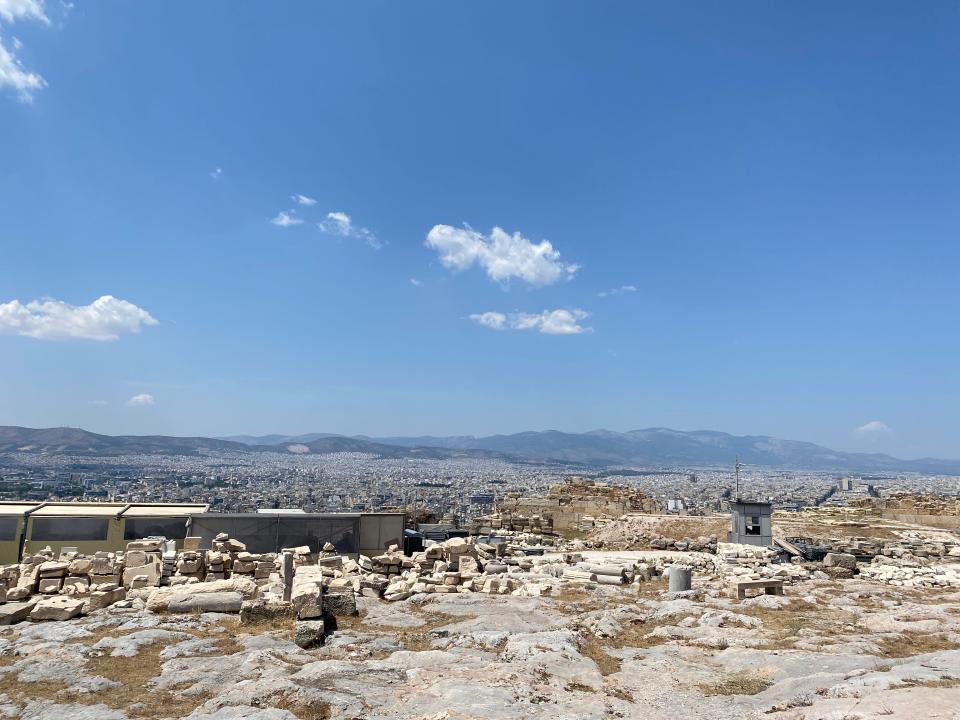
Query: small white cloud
(549, 322)
(103, 319)
(303, 199)
(13, 10)
(494, 320)
(339, 223)
(501, 255)
(874, 428)
(622, 290)
(142, 400)
(552, 322)
(286, 219)
(414, 281)
(98, 403)
(216, 173)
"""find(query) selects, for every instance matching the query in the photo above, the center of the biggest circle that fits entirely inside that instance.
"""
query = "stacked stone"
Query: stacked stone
(51, 575)
(458, 565)
(218, 566)
(28, 575)
(143, 563)
(908, 542)
(390, 564)
(169, 559)
(221, 557)
(910, 573)
(77, 581)
(301, 555)
(191, 564)
(106, 568)
(699, 544)
(788, 572)
(602, 574)
(257, 566)
(9, 575)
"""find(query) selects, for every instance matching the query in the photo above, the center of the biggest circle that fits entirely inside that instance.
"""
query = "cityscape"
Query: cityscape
(454, 490)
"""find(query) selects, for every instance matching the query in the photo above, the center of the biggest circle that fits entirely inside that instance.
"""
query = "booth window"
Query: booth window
(69, 528)
(753, 525)
(172, 528)
(8, 527)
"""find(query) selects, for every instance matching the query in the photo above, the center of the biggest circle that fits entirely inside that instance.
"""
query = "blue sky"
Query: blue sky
(772, 187)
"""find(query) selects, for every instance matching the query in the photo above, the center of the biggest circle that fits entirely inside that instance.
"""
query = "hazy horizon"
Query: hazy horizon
(388, 436)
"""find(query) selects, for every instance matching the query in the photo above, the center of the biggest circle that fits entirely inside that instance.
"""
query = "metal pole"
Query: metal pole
(737, 467)
(287, 576)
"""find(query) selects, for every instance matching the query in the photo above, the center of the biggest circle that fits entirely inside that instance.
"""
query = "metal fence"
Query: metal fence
(263, 533)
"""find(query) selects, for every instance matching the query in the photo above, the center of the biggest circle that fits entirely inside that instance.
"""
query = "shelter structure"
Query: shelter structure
(750, 523)
(27, 527)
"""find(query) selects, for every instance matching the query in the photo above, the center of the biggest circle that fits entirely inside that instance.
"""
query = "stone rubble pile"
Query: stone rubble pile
(458, 565)
(45, 587)
(910, 573)
(698, 544)
(318, 587)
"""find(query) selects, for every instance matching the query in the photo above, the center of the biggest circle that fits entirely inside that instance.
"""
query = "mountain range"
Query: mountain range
(650, 448)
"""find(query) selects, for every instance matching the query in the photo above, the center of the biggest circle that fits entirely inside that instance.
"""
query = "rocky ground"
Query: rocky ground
(829, 648)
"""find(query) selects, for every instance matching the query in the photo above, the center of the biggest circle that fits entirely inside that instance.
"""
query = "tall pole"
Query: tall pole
(737, 467)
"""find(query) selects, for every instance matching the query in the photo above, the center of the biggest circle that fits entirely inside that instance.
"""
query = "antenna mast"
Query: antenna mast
(737, 467)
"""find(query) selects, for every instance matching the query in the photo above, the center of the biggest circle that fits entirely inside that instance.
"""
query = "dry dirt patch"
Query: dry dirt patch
(635, 635)
(303, 708)
(908, 644)
(136, 694)
(945, 681)
(745, 682)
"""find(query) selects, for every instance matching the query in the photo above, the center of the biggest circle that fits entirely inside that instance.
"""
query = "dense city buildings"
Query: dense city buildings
(452, 490)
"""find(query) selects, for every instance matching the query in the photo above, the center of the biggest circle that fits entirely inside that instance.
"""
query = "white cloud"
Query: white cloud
(286, 219)
(874, 428)
(414, 281)
(501, 255)
(103, 319)
(216, 173)
(622, 290)
(303, 199)
(13, 10)
(12, 72)
(549, 322)
(14, 75)
(552, 322)
(142, 400)
(494, 320)
(339, 223)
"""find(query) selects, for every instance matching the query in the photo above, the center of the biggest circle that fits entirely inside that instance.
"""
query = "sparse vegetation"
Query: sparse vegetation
(908, 644)
(745, 682)
(944, 681)
(595, 649)
(304, 708)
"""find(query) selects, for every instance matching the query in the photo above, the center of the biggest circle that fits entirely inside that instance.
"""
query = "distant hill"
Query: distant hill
(73, 441)
(653, 447)
(276, 439)
(340, 443)
(665, 447)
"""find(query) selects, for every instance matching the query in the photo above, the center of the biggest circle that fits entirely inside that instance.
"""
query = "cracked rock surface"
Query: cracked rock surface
(827, 649)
